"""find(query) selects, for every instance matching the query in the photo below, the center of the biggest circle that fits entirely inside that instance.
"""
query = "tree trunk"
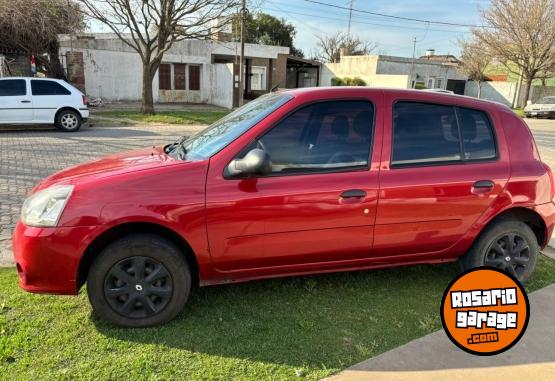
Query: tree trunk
(527, 91)
(147, 105)
(479, 89)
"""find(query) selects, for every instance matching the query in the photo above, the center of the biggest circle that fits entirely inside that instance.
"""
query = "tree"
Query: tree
(474, 62)
(33, 26)
(265, 29)
(330, 46)
(150, 27)
(521, 33)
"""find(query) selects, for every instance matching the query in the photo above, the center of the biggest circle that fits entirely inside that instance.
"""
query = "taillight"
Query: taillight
(551, 180)
(85, 100)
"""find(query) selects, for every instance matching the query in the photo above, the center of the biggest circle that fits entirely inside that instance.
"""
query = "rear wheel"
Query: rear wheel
(509, 245)
(139, 281)
(68, 120)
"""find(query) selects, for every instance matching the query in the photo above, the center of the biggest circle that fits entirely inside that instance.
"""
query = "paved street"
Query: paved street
(28, 155)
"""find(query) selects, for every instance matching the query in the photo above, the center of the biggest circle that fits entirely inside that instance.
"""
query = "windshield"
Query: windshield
(218, 135)
(547, 100)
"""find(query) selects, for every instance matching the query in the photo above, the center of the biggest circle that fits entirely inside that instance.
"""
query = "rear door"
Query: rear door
(48, 97)
(15, 102)
(434, 184)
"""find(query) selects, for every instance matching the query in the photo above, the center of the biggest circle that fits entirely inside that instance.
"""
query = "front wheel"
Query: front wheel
(68, 121)
(140, 280)
(509, 245)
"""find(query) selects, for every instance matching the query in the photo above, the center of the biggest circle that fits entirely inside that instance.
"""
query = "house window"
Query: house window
(165, 77)
(258, 78)
(194, 77)
(439, 83)
(430, 83)
(179, 76)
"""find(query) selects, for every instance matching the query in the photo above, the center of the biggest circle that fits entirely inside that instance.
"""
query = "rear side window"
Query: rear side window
(478, 141)
(12, 87)
(48, 88)
(425, 134)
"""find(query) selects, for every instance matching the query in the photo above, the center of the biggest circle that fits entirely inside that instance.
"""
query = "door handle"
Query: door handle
(25, 101)
(482, 186)
(353, 193)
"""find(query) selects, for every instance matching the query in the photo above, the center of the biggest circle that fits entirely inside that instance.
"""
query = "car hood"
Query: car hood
(540, 106)
(136, 160)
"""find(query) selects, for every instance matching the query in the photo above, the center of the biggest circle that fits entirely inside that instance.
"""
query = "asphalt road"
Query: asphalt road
(28, 155)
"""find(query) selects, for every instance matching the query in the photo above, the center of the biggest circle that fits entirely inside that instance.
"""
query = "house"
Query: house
(192, 71)
(398, 72)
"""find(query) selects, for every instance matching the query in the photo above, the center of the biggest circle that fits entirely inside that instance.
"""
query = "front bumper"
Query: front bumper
(47, 259)
(539, 114)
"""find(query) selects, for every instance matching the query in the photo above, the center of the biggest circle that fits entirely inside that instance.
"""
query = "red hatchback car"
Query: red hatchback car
(296, 182)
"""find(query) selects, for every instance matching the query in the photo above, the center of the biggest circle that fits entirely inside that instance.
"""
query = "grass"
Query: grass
(277, 329)
(166, 117)
(519, 112)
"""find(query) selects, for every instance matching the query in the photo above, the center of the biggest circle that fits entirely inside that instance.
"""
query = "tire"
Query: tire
(68, 121)
(125, 297)
(492, 249)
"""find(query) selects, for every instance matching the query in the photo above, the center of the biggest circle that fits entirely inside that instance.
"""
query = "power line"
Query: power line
(394, 17)
(288, 12)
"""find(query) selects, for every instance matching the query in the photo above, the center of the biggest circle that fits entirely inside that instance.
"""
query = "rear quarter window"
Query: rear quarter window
(477, 132)
(48, 88)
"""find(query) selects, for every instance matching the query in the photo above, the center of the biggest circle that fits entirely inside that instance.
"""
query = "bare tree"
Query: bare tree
(474, 62)
(150, 27)
(332, 45)
(521, 33)
(32, 26)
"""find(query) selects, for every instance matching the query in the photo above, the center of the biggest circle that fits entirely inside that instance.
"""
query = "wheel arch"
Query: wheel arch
(529, 216)
(66, 108)
(120, 231)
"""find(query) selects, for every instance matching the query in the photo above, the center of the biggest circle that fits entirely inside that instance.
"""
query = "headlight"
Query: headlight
(45, 207)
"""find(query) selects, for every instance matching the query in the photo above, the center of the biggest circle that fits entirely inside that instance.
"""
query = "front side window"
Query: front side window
(321, 137)
(12, 87)
(426, 134)
(211, 140)
(39, 87)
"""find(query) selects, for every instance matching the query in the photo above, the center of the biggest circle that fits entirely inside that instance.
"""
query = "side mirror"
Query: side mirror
(255, 162)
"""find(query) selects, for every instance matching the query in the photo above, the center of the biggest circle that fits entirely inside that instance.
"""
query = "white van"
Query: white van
(42, 101)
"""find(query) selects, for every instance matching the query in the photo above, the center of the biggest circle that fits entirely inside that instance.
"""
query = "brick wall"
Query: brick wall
(76, 69)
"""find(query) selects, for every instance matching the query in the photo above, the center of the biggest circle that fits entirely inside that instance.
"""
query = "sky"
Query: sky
(394, 37)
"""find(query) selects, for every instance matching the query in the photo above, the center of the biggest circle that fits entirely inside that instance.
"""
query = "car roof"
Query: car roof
(37, 78)
(430, 96)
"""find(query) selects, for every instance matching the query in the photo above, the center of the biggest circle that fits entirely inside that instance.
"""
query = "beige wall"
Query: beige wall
(363, 67)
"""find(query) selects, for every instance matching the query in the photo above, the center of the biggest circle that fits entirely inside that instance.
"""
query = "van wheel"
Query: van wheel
(141, 280)
(68, 120)
(509, 245)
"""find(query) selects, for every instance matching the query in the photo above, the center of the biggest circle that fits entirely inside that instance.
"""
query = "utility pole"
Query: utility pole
(412, 63)
(242, 55)
(350, 16)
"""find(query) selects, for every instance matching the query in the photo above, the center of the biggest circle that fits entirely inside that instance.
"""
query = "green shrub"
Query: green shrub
(356, 81)
(335, 81)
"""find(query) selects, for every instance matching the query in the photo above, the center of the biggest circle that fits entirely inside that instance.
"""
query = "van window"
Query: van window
(424, 133)
(39, 87)
(12, 87)
(477, 135)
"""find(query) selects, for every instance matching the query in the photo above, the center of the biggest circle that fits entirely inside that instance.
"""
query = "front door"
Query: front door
(319, 203)
(441, 170)
(15, 101)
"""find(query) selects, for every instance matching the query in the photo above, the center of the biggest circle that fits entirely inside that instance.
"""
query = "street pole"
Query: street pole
(242, 55)
(350, 16)
(412, 63)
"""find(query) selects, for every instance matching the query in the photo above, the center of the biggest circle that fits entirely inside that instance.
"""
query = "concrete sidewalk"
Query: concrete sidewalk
(435, 357)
